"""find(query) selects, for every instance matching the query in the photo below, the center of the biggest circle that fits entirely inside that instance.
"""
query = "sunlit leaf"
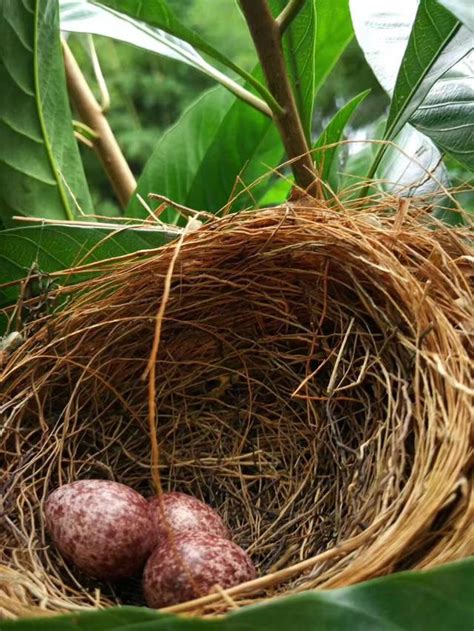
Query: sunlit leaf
(462, 9)
(435, 45)
(384, 31)
(83, 16)
(159, 14)
(403, 169)
(447, 113)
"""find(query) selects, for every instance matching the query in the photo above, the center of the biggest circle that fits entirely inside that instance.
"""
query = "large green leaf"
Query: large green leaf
(409, 47)
(158, 14)
(197, 162)
(115, 619)
(432, 49)
(53, 248)
(277, 192)
(462, 9)
(39, 159)
(83, 16)
(435, 600)
(447, 113)
(333, 33)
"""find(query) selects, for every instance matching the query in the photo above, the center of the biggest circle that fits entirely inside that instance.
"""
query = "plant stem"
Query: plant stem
(265, 32)
(288, 14)
(105, 144)
(247, 96)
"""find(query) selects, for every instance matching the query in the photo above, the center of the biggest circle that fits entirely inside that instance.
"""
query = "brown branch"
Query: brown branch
(105, 145)
(265, 32)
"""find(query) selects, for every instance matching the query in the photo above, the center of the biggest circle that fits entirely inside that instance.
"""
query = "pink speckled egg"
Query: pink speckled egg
(103, 527)
(177, 513)
(187, 566)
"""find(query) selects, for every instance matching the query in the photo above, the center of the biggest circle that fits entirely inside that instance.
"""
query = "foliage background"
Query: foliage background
(148, 92)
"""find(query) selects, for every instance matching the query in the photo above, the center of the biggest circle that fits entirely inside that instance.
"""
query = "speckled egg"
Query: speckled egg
(103, 527)
(187, 566)
(178, 513)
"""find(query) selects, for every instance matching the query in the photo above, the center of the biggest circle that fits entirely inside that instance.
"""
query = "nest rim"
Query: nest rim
(419, 256)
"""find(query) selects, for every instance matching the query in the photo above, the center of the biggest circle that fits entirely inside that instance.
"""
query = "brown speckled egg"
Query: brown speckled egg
(103, 527)
(187, 566)
(178, 513)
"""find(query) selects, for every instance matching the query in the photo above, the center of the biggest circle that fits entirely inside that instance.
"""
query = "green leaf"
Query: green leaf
(299, 47)
(435, 600)
(325, 160)
(427, 57)
(218, 139)
(157, 13)
(434, 46)
(447, 113)
(312, 45)
(114, 619)
(277, 192)
(197, 162)
(359, 154)
(39, 159)
(82, 16)
(462, 9)
(255, 177)
(334, 31)
(55, 248)
(451, 215)
(383, 30)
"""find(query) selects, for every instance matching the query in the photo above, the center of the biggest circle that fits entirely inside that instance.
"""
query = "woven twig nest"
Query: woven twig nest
(312, 384)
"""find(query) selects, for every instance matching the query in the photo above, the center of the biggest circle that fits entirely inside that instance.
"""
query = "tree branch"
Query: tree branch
(105, 144)
(288, 14)
(265, 32)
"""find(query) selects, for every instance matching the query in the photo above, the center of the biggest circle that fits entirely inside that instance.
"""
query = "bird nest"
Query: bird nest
(307, 372)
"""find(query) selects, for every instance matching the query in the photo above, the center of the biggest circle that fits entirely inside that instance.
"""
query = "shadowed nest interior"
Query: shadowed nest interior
(313, 384)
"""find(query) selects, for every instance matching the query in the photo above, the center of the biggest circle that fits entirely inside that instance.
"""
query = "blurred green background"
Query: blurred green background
(148, 93)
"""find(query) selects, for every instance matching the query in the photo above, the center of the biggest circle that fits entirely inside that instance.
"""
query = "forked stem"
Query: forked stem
(266, 34)
(288, 14)
(105, 143)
